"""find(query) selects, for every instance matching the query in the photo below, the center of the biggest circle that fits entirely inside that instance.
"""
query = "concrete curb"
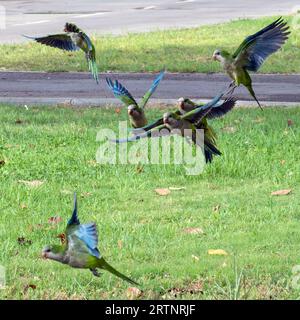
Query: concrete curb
(111, 102)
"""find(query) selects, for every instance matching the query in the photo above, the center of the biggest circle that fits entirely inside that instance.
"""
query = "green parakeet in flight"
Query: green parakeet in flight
(192, 120)
(72, 40)
(251, 54)
(80, 249)
(135, 111)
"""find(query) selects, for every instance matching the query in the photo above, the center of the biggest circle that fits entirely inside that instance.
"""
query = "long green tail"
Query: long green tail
(251, 91)
(94, 70)
(104, 265)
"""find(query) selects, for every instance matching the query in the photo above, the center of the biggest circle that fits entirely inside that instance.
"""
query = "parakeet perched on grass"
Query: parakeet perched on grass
(72, 40)
(135, 111)
(192, 120)
(251, 54)
(80, 249)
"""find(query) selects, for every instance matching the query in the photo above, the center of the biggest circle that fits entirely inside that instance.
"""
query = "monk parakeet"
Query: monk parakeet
(251, 54)
(218, 110)
(186, 105)
(80, 249)
(72, 40)
(135, 111)
(192, 120)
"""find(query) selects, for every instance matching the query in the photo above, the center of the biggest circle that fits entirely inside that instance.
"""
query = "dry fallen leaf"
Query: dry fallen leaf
(29, 286)
(54, 220)
(133, 293)
(62, 238)
(281, 192)
(23, 206)
(163, 192)
(290, 122)
(193, 230)
(32, 184)
(117, 110)
(217, 252)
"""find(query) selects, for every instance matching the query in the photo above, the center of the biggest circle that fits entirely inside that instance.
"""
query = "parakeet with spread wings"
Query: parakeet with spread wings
(72, 40)
(136, 112)
(80, 249)
(251, 54)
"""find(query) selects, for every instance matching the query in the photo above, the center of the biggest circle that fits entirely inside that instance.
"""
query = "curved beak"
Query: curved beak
(214, 57)
(44, 255)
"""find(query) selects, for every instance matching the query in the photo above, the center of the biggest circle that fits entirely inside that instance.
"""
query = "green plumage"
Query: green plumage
(72, 40)
(80, 249)
(251, 54)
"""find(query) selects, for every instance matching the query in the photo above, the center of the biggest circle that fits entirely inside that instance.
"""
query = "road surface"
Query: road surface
(39, 17)
(79, 89)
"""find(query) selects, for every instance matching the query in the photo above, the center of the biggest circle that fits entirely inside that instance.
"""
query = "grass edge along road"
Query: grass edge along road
(48, 153)
(184, 50)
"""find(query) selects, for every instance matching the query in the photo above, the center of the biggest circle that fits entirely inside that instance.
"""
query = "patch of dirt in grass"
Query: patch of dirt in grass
(195, 287)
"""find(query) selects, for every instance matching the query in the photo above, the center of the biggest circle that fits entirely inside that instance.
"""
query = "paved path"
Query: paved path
(80, 89)
(38, 17)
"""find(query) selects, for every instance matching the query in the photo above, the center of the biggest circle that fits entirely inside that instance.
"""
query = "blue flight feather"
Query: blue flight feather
(88, 234)
(74, 219)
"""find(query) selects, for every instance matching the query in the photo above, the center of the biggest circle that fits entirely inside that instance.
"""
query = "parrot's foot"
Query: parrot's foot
(96, 273)
(232, 83)
(231, 90)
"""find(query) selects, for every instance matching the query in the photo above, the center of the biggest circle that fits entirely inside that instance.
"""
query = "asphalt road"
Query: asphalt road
(38, 17)
(79, 89)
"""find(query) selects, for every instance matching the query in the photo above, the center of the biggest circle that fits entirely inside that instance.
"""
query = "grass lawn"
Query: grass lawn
(141, 233)
(187, 50)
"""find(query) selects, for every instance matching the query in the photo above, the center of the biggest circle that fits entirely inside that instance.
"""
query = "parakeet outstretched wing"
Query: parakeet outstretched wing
(256, 48)
(121, 92)
(196, 114)
(87, 233)
(60, 41)
(153, 87)
(138, 136)
(150, 126)
(221, 109)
